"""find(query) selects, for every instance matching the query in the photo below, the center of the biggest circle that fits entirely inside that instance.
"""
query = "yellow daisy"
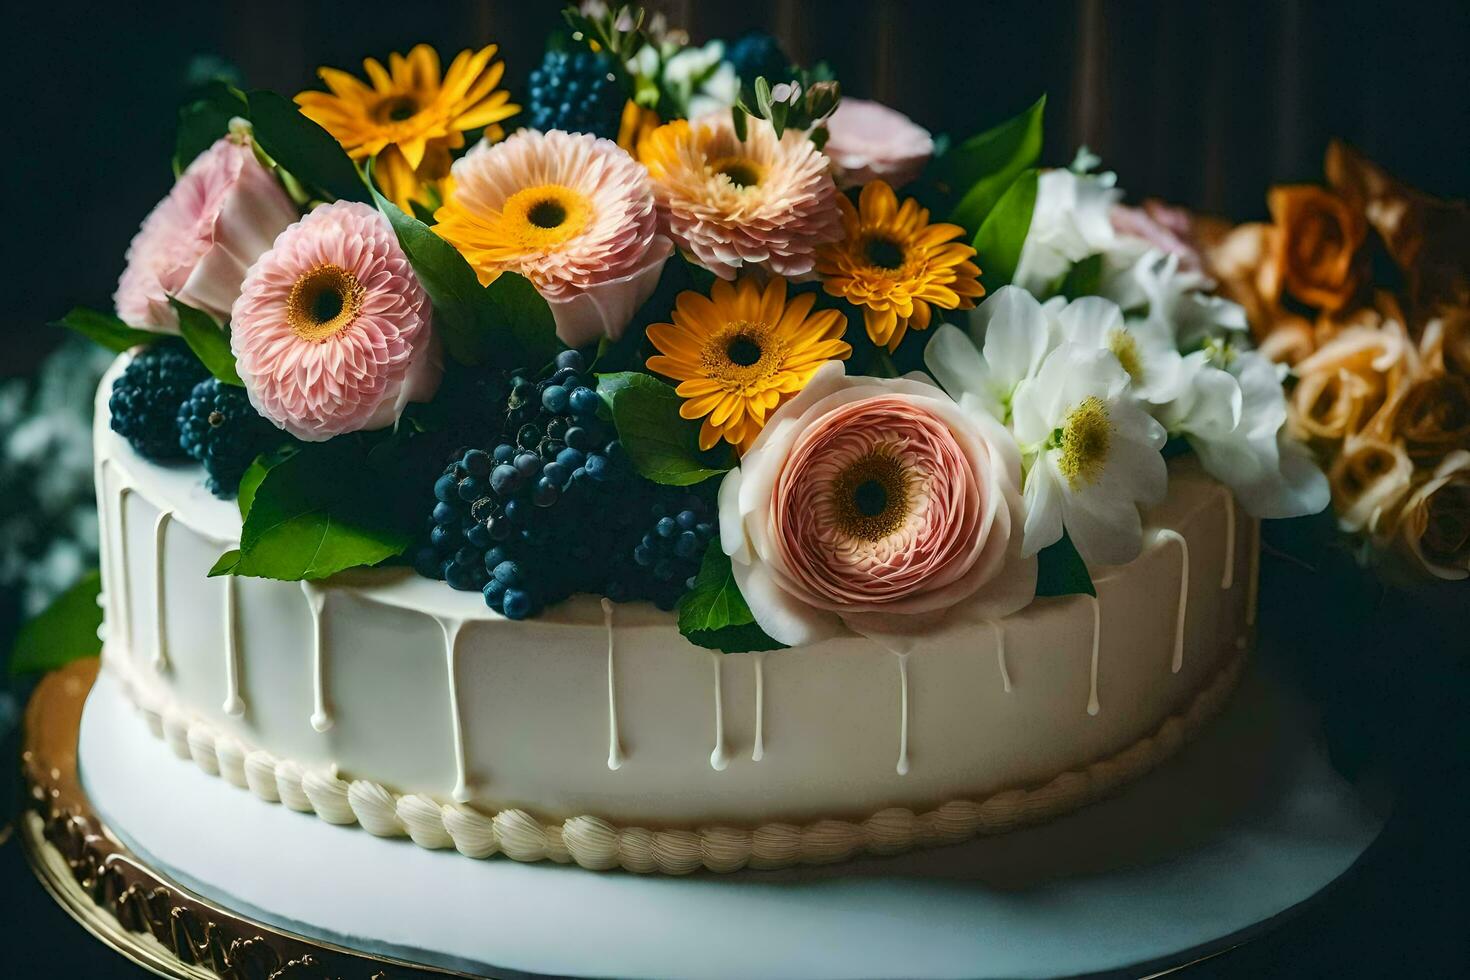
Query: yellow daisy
(634, 128)
(894, 264)
(742, 351)
(410, 118)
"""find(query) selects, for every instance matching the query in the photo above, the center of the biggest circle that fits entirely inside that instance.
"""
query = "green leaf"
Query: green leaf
(226, 564)
(506, 324)
(980, 169)
(316, 512)
(209, 341)
(107, 330)
(663, 445)
(999, 240)
(255, 474)
(204, 118)
(304, 149)
(65, 631)
(713, 614)
(1083, 279)
(1060, 570)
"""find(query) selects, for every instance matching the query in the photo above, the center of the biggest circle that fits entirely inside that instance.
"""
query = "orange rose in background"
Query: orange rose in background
(1349, 382)
(1318, 244)
(1434, 417)
(1435, 524)
(1369, 477)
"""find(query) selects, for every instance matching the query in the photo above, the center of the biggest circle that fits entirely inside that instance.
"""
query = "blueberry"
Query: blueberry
(471, 489)
(570, 359)
(555, 398)
(570, 457)
(686, 519)
(444, 513)
(505, 480)
(705, 529)
(462, 578)
(494, 557)
(666, 527)
(426, 562)
(516, 604)
(556, 474)
(492, 592)
(546, 493)
(479, 536)
(443, 536)
(468, 556)
(579, 438)
(598, 467)
(643, 555)
(663, 570)
(504, 452)
(529, 464)
(500, 528)
(584, 401)
(516, 511)
(687, 545)
(477, 463)
(510, 572)
(613, 451)
(444, 488)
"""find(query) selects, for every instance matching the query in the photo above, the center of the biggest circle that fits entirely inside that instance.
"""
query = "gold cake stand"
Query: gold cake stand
(137, 911)
(141, 913)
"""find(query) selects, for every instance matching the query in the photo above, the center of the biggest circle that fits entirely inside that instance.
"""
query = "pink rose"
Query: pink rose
(869, 141)
(878, 505)
(224, 211)
(1166, 229)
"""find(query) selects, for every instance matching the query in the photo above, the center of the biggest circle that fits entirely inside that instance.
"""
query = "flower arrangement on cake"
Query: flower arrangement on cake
(686, 325)
(1363, 287)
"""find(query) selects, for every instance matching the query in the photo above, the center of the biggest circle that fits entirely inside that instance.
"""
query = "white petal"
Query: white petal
(1043, 505)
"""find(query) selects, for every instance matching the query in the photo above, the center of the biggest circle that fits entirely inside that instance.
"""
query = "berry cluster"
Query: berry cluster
(575, 91)
(146, 397)
(550, 507)
(219, 428)
(757, 54)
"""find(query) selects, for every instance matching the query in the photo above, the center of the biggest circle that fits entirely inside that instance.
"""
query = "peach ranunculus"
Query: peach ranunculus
(1320, 238)
(224, 211)
(1350, 382)
(878, 505)
(1435, 522)
(1369, 478)
(868, 141)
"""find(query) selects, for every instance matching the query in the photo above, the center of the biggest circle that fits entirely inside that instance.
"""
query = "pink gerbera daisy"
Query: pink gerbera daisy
(331, 332)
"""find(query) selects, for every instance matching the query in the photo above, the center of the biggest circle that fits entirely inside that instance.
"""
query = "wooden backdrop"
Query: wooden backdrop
(1200, 103)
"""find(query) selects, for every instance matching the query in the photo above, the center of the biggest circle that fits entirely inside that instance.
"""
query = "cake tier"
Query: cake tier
(387, 699)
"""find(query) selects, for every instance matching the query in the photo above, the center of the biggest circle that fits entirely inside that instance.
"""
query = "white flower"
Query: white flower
(701, 78)
(1072, 219)
(1176, 297)
(1009, 336)
(1096, 456)
(1234, 417)
(1145, 347)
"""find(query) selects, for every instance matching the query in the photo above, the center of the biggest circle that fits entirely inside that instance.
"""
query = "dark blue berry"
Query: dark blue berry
(571, 359)
(757, 54)
(219, 428)
(546, 493)
(598, 467)
(505, 480)
(556, 474)
(529, 464)
(492, 592)
(477, 463)
(666, 527)
(462, 578)
(579, 438)
(504, 452)
(146, 398)
(584, 401)
(515, 603)
(446, 489)
(576, 91)
(471, 489)
(510, 573)
(687, 545)
(555, 398)
(443, 536)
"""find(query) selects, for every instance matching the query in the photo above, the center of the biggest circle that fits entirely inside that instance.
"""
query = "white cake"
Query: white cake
(597, 734)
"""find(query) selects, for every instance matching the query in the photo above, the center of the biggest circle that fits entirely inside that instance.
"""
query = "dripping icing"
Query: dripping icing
(1000, 654)
(1092, 706)
(718, 759)
(316, 599)
(234, 705)
(124, 589)
(1253, 587)
(614, 743)
(1227, 578)
(903, 714)
(759, 752)
(1169, 535)
(450, 628)
(160, 611)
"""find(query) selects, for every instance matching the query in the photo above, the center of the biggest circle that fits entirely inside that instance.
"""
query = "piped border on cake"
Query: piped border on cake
(598, 845)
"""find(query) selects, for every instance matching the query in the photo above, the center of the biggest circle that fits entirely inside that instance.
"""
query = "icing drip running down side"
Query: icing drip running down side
(614, 743)
(234, 705)
(160, 603)
(1000, 654)
(1092, 705)
(1167, 535)
(316, 600)
(759, 751)
(903, 714)
(450, 628)
(1227, 576)
(719, 759)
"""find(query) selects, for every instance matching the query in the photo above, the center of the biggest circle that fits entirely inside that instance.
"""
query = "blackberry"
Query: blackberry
(756, 54)
(664, 556)
(146, 397)
(221, 429)
(576, 91)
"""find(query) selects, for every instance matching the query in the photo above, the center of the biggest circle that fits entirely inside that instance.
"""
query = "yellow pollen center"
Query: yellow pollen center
(741, 355)
(870, 498)
(540, 218)
(740, 171)
(323, 303)
(1084, 440)
(1125, 347)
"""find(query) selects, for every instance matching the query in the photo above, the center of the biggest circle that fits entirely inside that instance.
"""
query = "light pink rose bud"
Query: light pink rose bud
(1164, 227)
(879, 506)
(869, 141)
(224, 211)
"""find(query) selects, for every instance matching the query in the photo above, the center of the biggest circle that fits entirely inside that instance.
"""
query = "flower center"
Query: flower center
(396, 108)
(1084, 440)
(884, 252)
(870, 498)
(1125, 347)
(540, 218)
(742, 354)
(323, 303)
(740, 171)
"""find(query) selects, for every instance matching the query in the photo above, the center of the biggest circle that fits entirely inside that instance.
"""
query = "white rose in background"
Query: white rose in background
(879, 506)
(868, 141)
(1071, 221)
(1094, 455)
(222, 214)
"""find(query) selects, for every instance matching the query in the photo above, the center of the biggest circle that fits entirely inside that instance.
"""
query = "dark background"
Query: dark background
(1201, 104)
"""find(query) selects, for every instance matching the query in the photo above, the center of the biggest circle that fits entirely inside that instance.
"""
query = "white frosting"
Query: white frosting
(1165, 534)
(380, 676)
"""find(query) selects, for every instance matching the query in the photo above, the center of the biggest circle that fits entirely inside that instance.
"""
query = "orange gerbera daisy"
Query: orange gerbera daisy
(410, 118)
(896, 265)
(740, 352)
